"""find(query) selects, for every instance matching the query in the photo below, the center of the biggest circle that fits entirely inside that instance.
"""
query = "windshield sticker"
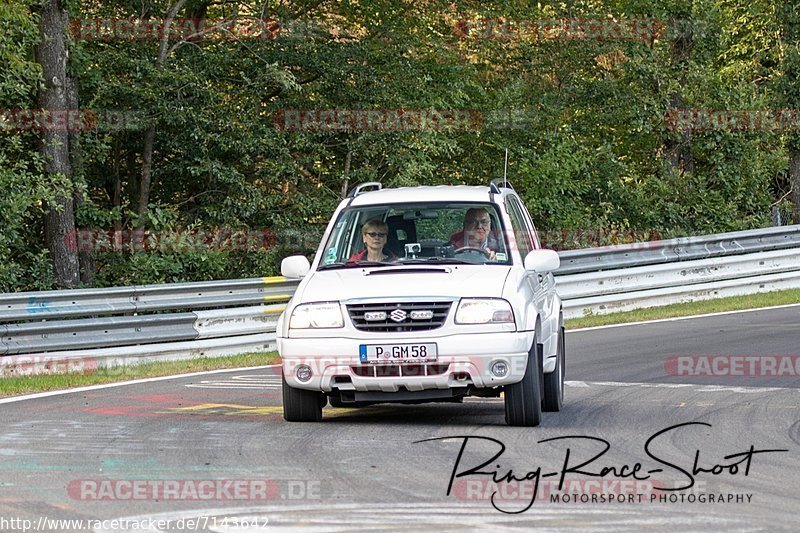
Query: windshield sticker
(330, 257)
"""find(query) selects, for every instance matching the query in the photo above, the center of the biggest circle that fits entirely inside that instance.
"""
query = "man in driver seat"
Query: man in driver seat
(477, 232)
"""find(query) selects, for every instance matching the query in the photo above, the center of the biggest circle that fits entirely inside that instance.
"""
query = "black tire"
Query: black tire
(554, 381)
(300, 405)
(523, 400)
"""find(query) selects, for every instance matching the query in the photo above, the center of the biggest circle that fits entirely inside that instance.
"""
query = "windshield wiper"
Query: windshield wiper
(349, 264)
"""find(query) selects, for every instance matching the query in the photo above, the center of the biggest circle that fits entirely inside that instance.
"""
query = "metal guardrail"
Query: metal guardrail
(121, 325)
(681, 249)
(138, 299)
(676, 274)
(60, 335)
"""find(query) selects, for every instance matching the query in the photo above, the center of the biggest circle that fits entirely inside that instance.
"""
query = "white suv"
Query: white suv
(422, 294)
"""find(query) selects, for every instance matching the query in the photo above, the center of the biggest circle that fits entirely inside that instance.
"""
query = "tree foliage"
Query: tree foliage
(583, 120)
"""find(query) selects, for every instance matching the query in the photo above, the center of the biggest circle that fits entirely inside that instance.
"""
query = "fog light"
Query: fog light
(303, 373)
(499, 369)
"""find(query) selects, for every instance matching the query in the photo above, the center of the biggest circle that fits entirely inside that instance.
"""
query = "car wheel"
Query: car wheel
(300, 405)
(523, 400)
(554, 381)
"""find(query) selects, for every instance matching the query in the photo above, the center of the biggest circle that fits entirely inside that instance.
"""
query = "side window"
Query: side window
(345, 239)
(531, 225)
(335, 242)
(521, 232)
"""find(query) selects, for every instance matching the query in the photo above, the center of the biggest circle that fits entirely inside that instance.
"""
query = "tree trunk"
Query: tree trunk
(132, 170)
(794, 181)
(85, 257)
(59, 221)
(116, 185)
(197, 10)
(346, 183)
(150, 134)
(144, 181)
(789, 15)
(678, 145)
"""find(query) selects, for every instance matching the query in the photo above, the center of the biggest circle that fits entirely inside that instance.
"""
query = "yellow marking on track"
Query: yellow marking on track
(682, 404)
(229, 409)
(344, 411)
(238, 410)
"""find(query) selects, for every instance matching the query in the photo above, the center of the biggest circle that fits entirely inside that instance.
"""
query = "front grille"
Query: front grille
(357, 314)
(399, 371)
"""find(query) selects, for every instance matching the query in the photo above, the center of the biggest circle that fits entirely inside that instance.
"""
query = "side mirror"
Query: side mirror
(295, 266)
(542, 261)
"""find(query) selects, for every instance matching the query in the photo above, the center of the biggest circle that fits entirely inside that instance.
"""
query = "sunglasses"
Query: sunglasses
(479, 223)
(376, 234)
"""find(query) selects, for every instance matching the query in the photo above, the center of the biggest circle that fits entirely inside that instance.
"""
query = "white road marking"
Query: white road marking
(699, 386)
(241, 382)
(90, 388)
(231, 386)
(576, 384)
(674, 319)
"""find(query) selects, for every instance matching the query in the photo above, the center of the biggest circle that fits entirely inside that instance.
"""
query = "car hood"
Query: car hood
(447, 281)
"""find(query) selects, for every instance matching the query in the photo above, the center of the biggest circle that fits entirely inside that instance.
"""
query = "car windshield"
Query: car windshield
(429, 233)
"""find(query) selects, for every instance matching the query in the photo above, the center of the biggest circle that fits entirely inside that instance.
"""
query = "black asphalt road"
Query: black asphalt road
(212, 452)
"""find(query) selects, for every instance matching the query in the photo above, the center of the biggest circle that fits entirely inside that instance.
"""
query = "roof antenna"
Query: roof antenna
(505, 171)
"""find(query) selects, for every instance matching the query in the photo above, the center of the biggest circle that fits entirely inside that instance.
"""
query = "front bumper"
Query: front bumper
(463, 360)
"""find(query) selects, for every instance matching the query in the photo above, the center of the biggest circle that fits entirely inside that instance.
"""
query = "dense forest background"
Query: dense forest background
(186, 137)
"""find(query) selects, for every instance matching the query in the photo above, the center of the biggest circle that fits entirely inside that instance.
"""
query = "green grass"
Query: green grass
(733, 303)
(15, 385)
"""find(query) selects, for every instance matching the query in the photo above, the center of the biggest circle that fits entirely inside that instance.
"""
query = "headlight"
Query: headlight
(317, 315)
(484, 311)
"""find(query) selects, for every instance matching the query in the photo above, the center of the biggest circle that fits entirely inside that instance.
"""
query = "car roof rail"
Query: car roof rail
(501, 182)
(358, 189)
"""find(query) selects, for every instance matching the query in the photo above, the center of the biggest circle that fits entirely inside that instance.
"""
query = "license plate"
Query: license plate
(397, 353)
